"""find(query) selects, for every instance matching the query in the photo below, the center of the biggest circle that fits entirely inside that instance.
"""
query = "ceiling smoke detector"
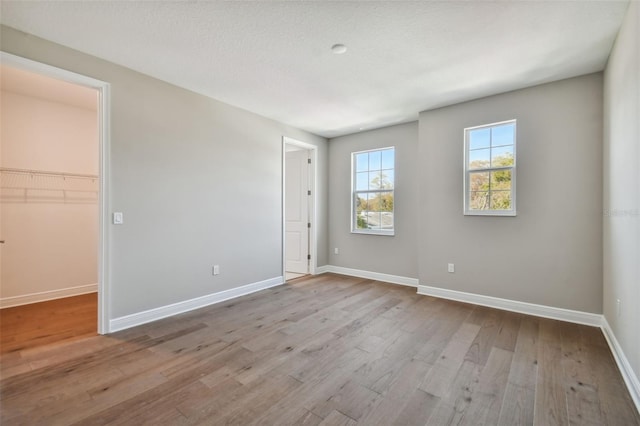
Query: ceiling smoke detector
(338, 49)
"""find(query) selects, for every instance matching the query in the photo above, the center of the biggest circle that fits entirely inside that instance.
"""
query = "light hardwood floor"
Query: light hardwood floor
(38, 324)
(325, 350)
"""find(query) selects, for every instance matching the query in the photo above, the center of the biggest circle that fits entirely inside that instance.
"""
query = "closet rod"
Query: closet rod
(46, 173)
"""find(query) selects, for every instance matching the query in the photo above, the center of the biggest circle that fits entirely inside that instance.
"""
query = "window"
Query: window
(372, 191)
(490, 169)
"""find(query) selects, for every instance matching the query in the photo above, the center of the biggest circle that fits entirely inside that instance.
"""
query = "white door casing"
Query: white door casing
(297, 211)
(104, 109)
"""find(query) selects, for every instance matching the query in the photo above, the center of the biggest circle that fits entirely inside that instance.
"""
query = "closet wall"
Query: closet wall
(49, 190)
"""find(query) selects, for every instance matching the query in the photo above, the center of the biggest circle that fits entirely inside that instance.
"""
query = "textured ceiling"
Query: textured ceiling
(38, 86)
(274, 58)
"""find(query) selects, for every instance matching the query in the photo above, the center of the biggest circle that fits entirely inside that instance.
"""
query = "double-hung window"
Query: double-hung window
(490, 169)
(373, 176)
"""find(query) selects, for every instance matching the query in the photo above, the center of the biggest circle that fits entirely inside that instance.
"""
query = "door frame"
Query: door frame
(313, 201)
(104, 143)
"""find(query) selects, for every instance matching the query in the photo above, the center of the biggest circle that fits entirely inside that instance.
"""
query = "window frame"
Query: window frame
(467, 172)
(355, 192)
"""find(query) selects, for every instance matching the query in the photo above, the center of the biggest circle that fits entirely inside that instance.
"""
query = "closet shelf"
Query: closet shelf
(23, 185)
(29, 172)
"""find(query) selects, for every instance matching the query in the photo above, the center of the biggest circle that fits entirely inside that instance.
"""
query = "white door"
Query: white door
(297, 211)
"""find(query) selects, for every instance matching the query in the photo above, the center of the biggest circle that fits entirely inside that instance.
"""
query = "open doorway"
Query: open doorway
(299, 208)
(52, 199)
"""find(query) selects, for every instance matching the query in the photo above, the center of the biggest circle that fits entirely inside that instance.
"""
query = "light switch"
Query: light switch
(118, 218)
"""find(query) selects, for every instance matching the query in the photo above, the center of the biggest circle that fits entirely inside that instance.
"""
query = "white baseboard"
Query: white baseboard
(393, 279)
(155, 314)
(322, 269)
(629, 376)
(43, 296)
(561, 314)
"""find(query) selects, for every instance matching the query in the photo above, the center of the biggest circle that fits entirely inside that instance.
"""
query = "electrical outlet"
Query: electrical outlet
(451, 268)
(336, 250)
(618, 307)
(216, 269)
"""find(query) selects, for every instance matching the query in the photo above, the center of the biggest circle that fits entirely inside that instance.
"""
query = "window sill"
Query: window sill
(373, 232)
(490, 213)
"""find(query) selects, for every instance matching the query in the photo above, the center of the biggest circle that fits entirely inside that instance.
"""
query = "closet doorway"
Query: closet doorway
(51, 200)
(299, 209)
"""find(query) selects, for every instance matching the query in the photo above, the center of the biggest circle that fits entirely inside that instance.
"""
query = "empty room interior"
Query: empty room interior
(320, 213)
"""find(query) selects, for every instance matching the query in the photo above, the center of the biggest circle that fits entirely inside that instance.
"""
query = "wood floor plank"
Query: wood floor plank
(378, 374)
(316, 388)
(336, 418)
(382, 369)
(328, 350)
(483, 343)
(550, 388)
(369, 315)
(487, 397)
(418, 410)
(321, 355)
(581, 386)
(387, 409)
(104, 398)
(256, 402)
(203, 404)
(518, 405)
(419, 314)
(61, 352)
(438, 380)
(306, 418)
(453, 408)
(350, 399)
(525, 360)
(441, 326)
(507, 335)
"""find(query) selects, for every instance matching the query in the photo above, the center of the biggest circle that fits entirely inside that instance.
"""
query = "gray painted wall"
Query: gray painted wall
(551, 252)
(395, 255)
(199, 183)
(622, 187)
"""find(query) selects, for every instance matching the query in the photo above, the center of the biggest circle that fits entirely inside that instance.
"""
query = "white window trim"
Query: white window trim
(354, 229)
(469, 212)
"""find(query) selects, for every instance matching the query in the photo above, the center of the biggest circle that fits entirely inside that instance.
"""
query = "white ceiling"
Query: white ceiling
(38, 86)
(274, 58)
